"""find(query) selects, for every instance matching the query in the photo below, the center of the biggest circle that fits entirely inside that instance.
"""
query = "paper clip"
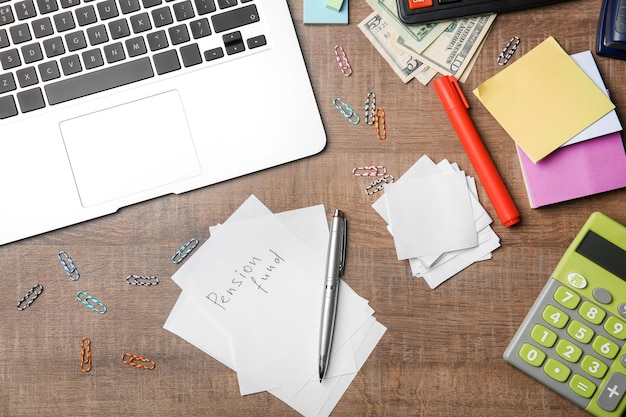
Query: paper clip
(342, 61)
(91, 302)
(138, 361)
(370, 108)
(145, 280)
(347, 111)
(185, 250)
(379, 184)
(508, 50)
(68, 265)
(369, 171)
(30, 297)
(379, 124)
(85, 354)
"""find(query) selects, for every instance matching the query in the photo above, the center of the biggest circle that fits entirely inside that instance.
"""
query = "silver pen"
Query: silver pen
(335, 264)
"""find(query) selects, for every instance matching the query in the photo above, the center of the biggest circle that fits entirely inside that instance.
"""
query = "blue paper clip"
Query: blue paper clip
(347, 111)
(68, 265)
(142, 280)
(91, 302)
(185, 250)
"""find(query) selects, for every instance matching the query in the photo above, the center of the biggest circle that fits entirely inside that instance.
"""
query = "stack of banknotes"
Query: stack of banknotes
(423, 50)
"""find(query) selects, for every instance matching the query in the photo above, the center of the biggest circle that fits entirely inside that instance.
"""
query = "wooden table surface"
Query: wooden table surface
(442, 352)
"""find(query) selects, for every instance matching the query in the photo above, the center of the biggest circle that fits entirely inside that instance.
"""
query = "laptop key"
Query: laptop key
(235, 18)
(167, 61)
(30, 100)
(7, 107)
(98, 81)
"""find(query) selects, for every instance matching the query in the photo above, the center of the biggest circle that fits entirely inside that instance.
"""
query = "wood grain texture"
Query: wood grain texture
(442, 353)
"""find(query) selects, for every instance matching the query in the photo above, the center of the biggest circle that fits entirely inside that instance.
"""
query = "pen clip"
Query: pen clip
(344, 240)
(455, 84)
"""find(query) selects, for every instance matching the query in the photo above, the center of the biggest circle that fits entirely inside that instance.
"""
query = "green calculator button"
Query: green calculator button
(591, 313)
(605, 347)
(580, 331)
(615, 328)
(543, 335)
(568, 351)
(594, 366)
(582, 386)
(556, 370)
(555, 317)
(531, 355)
(566, 297)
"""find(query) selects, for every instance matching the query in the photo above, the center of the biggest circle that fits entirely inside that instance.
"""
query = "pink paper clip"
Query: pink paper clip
(342, 61)
(370, 171)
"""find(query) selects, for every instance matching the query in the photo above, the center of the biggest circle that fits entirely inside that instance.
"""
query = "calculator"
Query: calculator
(573, 339)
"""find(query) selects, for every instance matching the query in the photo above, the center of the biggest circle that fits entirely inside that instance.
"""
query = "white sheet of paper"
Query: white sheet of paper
(453, 262)
(609, 123)
(263, 288)
(431, 215)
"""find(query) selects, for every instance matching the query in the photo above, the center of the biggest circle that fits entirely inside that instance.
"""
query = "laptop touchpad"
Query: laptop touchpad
(131, 148)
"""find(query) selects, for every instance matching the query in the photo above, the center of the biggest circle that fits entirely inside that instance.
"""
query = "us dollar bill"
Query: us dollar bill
(452, 52)
(386, 41)
(418, 37)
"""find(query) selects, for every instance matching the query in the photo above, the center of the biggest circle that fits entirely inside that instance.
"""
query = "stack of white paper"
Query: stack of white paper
(252, 297)
(436, 220)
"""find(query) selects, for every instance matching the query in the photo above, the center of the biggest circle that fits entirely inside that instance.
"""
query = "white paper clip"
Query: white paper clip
(370, 108)
(508, 51)
(369, 171)
(342, 61)
(379, 184)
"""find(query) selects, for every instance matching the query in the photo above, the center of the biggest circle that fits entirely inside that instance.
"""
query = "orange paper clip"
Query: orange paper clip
(85, 354)
(138, 361)
(379, 124)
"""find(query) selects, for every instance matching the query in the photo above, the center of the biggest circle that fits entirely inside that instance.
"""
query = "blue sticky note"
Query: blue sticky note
(316, 12)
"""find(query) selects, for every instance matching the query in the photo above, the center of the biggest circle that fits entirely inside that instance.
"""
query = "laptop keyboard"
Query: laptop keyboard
(55, 51)
(426, 11)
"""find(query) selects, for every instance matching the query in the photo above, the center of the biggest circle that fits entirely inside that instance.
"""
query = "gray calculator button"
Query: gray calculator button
(622, 360)
(622, 309)
(602, 296)
(612, 392)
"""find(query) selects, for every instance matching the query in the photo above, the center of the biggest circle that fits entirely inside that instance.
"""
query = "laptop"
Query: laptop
(108, 103)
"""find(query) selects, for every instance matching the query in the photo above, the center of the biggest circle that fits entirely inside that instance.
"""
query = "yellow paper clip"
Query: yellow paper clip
(342, 61)
(30, 297)
(68, 265)
(345, 109)
(85, 354)
(369, 171)
(378, 185)
(379, 124)
(508, 51)
(138, 361)
(370, 108)
(185, 250)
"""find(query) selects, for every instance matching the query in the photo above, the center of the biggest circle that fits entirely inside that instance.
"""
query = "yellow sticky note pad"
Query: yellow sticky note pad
(543, 99)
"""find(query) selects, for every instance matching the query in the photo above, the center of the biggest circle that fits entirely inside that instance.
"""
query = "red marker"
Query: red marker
(456, 105)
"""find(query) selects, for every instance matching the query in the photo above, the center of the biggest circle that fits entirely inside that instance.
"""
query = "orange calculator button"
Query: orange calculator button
(419, 4)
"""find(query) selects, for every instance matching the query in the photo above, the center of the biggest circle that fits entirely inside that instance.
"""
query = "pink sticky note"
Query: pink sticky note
(574, 171)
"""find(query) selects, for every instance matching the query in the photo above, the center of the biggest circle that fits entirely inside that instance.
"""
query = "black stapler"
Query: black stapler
(611, 36)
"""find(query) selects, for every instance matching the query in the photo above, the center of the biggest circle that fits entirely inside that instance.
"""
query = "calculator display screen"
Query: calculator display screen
(604, 253)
